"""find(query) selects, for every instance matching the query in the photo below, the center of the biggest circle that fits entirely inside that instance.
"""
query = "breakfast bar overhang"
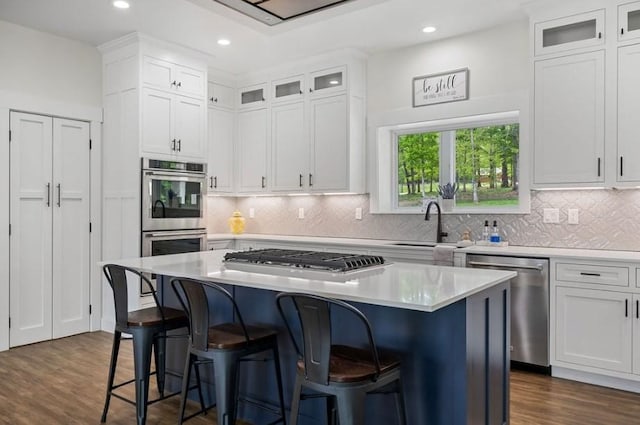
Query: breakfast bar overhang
(450, 327)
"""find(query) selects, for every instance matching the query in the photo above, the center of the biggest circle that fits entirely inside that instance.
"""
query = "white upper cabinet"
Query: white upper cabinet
(288, 89)
(629, 21)
(330, 144)
(253, 143)
(328, 81)
(165, 75)
(568, 33)
(290, 148)
(569, 120)
(220, 95)
(628, 158)
(220, 139)
(173, 124)
(254, 96)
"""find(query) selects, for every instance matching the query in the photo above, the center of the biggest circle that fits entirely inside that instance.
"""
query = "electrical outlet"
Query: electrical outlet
(300, 213)
(358, 213)
(573, 216)
(551, 215)
(252, 212)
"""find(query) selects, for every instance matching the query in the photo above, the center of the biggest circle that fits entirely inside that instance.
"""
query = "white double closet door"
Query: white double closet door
(49, 215)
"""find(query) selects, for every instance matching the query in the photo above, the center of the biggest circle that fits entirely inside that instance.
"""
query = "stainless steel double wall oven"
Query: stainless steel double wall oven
(173, 207)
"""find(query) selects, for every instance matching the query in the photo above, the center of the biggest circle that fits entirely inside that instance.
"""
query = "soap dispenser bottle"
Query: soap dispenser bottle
(495, 235)
(485, 231)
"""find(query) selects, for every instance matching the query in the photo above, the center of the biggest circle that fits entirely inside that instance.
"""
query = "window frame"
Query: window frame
(386, 196)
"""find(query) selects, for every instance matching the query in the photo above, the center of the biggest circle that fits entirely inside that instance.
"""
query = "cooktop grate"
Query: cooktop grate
(330, 261)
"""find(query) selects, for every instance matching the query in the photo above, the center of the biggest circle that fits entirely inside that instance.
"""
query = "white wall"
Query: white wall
(49, 67)
(497, 60)
(46, 74)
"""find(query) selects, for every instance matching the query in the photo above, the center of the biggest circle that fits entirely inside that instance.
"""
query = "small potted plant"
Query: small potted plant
(447, 194)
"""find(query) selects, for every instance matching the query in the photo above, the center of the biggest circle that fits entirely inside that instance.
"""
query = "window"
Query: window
(482, 163)
(479, 156)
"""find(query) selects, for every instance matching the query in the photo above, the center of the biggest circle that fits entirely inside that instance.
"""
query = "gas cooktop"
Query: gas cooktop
(315, 260)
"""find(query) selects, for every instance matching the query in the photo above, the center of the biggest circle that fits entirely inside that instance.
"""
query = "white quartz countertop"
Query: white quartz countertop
(521, 251)
(402, 285)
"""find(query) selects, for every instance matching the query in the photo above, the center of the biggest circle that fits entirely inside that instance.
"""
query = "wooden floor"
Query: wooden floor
(63, 382)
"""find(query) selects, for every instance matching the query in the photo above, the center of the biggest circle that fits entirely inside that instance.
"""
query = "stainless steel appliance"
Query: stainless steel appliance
(312, 260)
(173, 208)
(173, 195)
(529, 305)
(171, 242)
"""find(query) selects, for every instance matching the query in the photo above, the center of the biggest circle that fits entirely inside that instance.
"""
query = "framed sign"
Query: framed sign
(448, 86)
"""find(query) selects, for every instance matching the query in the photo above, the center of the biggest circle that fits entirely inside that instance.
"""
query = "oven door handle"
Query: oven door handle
(174, 233)
(176, 175)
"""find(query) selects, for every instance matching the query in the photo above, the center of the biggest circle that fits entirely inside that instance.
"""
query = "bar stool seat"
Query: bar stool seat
(343, 374)
(350, 364)
(225, 345)
(148, 328)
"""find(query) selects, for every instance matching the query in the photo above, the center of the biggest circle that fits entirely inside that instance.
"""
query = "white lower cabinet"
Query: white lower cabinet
(49, 216)
(594, 328)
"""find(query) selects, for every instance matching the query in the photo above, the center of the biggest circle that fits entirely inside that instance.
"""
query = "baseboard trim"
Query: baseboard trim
(596, 379)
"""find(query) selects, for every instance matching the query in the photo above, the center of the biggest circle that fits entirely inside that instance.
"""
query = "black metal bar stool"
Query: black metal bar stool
(147, 328)
(342, 373)
(225, 344)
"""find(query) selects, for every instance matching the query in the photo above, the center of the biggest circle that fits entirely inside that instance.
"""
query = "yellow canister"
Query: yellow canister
(236, 223)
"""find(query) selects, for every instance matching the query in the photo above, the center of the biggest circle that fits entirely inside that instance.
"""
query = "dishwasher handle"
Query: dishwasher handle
(538, 267)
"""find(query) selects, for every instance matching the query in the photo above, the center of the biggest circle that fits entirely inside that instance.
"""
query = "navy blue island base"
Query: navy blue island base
(455, 361)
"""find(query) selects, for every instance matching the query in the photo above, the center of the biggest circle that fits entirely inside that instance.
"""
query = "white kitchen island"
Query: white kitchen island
(449, 326)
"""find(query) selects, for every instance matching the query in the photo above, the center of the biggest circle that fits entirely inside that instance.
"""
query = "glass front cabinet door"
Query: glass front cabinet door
(569, 33)
(629, 21)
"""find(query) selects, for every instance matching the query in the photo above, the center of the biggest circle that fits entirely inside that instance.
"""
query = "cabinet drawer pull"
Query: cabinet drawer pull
(621, 31)
(173, 145)
(589, 274)
(263, 182)
(620, 166)
(310, 179)
(211, 182)
(48, 194)
(637, 308)
(300, 180)
(598, 167)
(215, 182)
(58, 186)
(179, 145)
(599, 35)
(626, 308)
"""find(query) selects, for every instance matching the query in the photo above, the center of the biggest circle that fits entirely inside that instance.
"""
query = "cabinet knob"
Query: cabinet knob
(621, 31)
(179, 84)
(173, 83)
(300, 91)
(310, 90)
(599, 35)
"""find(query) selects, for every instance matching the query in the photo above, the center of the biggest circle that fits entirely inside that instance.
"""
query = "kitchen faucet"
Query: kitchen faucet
(440, 234)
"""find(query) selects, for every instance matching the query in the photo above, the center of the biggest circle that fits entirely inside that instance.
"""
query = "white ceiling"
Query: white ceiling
(369, 25)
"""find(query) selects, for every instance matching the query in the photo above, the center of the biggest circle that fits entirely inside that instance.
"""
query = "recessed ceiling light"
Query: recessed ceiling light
(224, 42)
(429, 29)
(121, 4)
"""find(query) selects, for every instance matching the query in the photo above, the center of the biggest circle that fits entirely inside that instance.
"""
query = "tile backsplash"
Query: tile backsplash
(608, 219)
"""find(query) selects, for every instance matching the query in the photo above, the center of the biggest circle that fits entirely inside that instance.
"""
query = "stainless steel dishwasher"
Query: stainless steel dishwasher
(529, 305)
